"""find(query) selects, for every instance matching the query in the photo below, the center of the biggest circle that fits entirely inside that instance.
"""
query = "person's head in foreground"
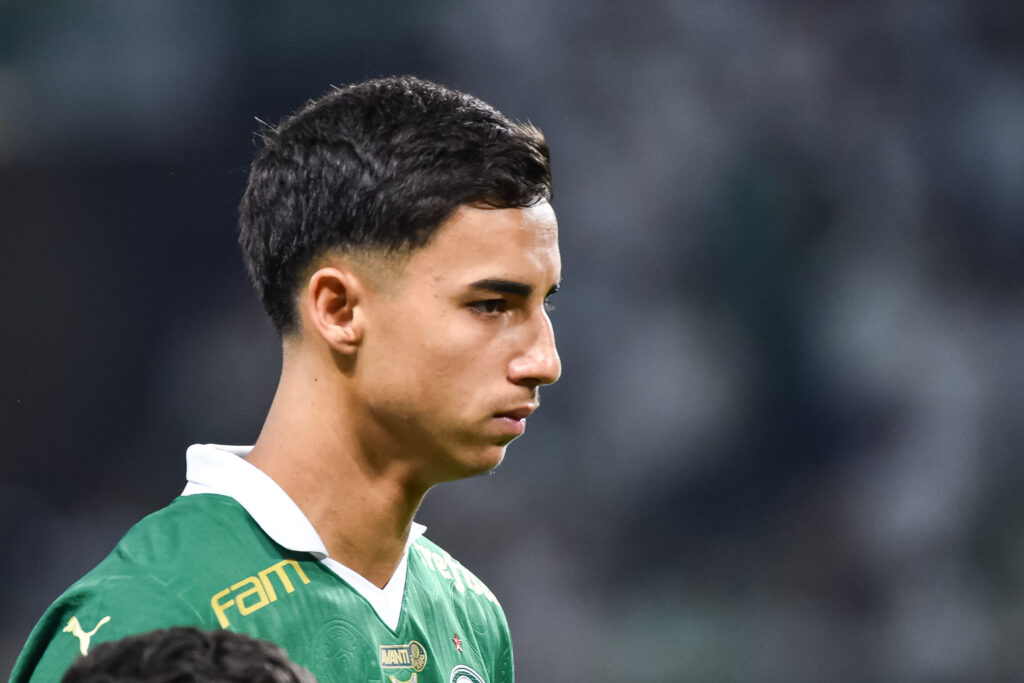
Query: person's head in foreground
(187, 655)
(401, 238)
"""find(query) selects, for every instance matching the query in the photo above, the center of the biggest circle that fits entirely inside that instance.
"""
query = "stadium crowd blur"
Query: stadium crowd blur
(788, 443)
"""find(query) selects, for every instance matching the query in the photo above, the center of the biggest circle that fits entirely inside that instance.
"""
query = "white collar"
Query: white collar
(213, 468)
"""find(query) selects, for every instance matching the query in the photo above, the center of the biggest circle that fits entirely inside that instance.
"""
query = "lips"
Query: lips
(520, 413)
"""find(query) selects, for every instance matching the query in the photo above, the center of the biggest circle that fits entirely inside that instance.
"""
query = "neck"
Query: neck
(361, 504)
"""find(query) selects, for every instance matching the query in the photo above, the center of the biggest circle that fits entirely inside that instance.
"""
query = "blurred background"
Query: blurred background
(788, 442)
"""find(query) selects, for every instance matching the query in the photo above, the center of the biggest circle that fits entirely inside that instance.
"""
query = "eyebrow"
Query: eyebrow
(511, 287)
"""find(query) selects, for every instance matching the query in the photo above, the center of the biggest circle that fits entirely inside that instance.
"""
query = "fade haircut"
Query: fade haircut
(185, 653)
(377, 166)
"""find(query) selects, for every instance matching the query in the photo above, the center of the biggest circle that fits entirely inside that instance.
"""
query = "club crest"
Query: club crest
(463, 674)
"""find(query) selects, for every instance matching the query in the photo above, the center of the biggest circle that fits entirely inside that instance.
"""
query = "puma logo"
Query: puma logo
(74, 627)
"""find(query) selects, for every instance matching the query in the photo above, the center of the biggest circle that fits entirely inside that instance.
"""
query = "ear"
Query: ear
(332, 302)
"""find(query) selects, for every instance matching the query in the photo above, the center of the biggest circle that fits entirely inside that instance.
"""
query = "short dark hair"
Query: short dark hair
(377, 165)
(184, 654)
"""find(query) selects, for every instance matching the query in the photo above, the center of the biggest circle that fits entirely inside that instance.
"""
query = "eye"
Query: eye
(490, 306)
(549, 305)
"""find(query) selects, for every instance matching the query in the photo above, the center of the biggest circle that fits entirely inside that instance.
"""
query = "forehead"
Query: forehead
(478, 242)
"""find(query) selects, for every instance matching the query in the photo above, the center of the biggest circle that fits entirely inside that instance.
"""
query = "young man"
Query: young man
(401, 238)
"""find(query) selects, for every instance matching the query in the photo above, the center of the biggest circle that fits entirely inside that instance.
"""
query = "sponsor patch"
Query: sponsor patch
(410, 656)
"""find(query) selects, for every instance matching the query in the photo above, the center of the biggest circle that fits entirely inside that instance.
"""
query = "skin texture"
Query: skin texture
(404, 377)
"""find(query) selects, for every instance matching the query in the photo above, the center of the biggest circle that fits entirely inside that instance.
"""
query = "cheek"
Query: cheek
(419, 366)
(434, 356)
(450, 365)
(459, 374)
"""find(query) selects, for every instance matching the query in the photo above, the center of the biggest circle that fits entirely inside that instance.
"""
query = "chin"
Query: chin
(488, 460)
(474, 464)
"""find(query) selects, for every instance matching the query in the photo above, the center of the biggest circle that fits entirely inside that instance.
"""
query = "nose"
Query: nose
(539, 364)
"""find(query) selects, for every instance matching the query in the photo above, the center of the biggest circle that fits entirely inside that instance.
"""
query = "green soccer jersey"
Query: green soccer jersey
(205, 561)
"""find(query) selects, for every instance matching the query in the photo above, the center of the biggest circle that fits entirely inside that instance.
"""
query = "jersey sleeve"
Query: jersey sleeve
(504, 671)
(93, 613)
